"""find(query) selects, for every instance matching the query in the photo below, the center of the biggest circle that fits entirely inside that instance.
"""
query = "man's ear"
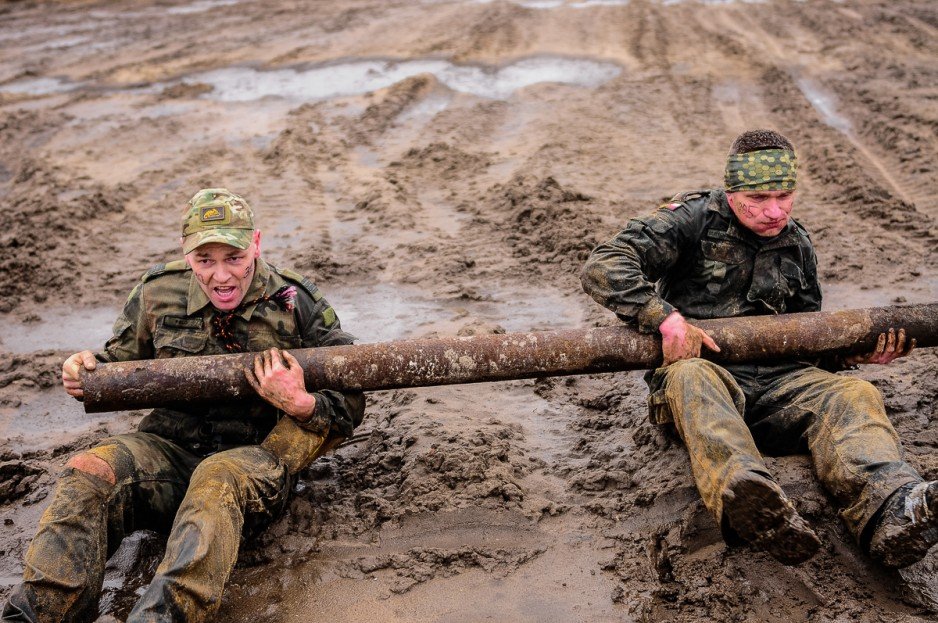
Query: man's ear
(257, 243)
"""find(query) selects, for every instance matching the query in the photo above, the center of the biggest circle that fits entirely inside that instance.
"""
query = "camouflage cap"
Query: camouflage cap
(217, 215)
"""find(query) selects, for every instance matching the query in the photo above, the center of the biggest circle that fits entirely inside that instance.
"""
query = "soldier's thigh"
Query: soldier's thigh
(791, 403)
(256, 478)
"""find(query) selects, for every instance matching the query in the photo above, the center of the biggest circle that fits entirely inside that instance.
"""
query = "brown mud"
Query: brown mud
(441, 168)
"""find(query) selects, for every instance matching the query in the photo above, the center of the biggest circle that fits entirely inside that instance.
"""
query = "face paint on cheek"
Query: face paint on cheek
(248, 271)
(203, 280)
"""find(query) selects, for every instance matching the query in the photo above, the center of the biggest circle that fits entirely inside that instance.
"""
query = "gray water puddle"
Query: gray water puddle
(825, 103)
(585, 4)
(556, 4)
(383, 311)
(238, 84)
(60, 329)
(199, 7)
(37, 86)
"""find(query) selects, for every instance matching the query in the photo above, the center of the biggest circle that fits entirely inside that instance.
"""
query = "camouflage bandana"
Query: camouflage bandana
(217, 215)
(767, 169)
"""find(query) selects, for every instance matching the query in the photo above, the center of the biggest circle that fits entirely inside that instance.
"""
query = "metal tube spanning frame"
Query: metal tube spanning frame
(484, 358)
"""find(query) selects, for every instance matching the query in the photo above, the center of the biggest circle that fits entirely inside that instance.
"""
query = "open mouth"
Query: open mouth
(225, 292)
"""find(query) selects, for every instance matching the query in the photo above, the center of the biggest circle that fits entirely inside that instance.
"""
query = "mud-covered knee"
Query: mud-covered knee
(93, 465)
(859, 390)
(691, 368)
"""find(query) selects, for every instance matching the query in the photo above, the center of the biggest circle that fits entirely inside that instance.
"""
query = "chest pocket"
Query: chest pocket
(273, 327)
(267, 337)
(793, 275)
(716, 258)
(775, 280)
(179, 336)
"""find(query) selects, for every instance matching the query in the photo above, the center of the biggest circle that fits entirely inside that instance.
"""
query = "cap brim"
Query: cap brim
(240, 238)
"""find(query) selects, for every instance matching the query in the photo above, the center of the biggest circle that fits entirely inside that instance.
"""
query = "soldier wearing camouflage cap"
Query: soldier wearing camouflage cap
(205, 476)
(736, 251)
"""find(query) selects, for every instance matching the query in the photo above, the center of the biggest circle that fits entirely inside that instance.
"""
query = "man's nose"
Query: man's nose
(222, 272)
(773, 209)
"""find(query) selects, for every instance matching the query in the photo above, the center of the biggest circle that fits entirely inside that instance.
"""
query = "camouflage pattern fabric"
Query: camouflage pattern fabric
(194, 473)
(168, 315)
(768, 169)
(692, 255)
(217, 215)
(727, 415)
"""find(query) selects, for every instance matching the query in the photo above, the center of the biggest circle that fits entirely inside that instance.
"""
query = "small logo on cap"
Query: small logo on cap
(212, 213)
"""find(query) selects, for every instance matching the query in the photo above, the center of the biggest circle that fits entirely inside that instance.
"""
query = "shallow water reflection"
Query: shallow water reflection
(238, 84)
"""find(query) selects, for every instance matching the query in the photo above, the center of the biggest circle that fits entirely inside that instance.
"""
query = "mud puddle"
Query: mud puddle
(382, 312)
(60, 329)
(825, 103)
(38, 86)
(200, 7)
(239, 84)
(51, 418)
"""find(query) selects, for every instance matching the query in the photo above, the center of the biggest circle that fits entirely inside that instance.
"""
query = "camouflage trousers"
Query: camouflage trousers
(205, 504)
(727, 415)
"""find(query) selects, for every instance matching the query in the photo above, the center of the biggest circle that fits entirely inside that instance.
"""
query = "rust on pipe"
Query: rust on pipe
(483, 358)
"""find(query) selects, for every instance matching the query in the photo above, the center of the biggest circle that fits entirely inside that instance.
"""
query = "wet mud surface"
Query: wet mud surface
(443, 168)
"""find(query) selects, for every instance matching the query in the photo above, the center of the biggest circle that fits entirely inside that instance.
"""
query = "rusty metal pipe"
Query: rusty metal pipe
(482, 358)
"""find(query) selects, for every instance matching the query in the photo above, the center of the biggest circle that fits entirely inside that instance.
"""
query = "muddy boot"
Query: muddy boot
(908, 526)
(757, 509)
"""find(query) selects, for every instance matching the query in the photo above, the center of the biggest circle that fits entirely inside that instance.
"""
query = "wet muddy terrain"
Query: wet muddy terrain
(442, 168)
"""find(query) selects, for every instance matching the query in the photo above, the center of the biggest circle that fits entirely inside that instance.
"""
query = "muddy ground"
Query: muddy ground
(444, 167)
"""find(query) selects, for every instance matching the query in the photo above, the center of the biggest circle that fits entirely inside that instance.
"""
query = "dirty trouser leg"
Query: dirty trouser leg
(64, 565)
(88, 517)
(853, 445)
(228, 490)
(707, 407)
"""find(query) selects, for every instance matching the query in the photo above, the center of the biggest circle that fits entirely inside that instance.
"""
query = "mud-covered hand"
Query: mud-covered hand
(680, 340)
(889, 347)
(278, 378)
(71, 370)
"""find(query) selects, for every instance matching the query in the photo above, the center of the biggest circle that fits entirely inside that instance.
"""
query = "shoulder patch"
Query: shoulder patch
(300, 280)
(328, 317)
(169, 267)
(690, 195)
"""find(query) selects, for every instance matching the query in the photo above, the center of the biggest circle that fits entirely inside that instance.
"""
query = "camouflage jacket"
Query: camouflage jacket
(168, 315)
(694, 256)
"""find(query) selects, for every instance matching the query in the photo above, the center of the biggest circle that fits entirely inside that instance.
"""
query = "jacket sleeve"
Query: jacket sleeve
(321, 327)
(132, 338)
(621, 273)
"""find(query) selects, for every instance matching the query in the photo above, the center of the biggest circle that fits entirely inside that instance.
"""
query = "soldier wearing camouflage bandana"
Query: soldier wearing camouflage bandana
(736, 252)
(205, 476)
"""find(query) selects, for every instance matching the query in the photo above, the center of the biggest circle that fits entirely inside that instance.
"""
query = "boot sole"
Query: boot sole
(764, 518)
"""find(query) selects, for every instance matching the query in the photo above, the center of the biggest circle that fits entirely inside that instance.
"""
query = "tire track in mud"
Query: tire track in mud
(834, 155)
